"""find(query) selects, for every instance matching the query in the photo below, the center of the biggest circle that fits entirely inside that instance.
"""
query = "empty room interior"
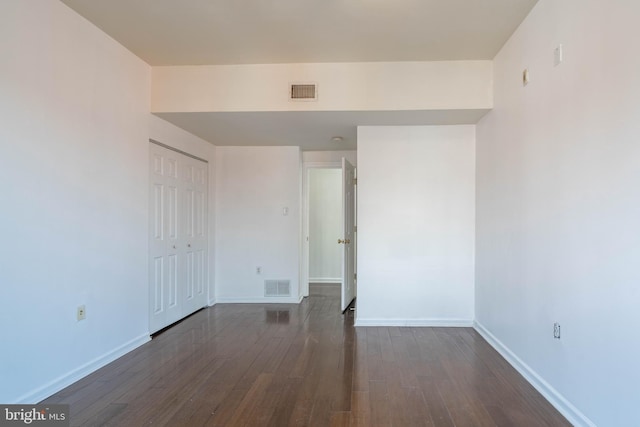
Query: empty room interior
(321, 213)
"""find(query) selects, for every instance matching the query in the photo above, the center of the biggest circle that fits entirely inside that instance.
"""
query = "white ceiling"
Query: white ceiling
(311, 130)
(197, 32)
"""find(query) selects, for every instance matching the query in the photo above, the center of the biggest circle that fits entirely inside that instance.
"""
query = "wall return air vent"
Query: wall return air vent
(277, 288)
(303, 92)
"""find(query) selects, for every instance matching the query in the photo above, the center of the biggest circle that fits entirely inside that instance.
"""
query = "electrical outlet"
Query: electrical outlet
(258, 270)
(556, 330)
(558, 55)
(82, 312)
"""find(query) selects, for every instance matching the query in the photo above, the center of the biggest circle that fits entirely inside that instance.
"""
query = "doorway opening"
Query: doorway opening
(329, 238)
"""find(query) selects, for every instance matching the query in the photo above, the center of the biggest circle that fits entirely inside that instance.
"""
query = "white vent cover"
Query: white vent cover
(303, 92)
(277, 288)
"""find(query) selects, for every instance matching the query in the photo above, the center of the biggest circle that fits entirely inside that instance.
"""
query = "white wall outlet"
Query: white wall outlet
(81, 313)
(558, 55)
(556, 331)
(258, 270)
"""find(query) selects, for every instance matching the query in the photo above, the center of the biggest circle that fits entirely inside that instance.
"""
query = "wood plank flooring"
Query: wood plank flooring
(306, 365)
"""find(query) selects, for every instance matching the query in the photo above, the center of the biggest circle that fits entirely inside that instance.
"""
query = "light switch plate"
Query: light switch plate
(558, 55)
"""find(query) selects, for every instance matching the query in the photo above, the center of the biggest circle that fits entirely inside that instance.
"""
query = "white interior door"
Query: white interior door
(195, 235)
(177, 236)
(165, 261)
(347, 241)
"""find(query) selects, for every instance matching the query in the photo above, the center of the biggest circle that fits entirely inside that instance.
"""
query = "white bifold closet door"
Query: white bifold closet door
(177, 236)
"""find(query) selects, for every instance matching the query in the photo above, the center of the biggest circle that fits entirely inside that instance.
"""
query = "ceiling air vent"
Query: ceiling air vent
(303, 92)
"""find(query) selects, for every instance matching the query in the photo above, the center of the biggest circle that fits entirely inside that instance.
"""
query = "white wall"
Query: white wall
(253, 185)
(166, 133)
(416, 225)
(325, 225)
(73, 141)
(363, 86)
(558, 208)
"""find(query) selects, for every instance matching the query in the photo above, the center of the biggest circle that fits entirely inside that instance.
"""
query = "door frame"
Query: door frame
(304, 237)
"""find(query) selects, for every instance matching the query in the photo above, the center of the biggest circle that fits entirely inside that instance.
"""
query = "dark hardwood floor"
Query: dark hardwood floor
(306, 365)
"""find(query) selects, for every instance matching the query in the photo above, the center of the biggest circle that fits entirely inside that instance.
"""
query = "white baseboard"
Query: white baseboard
(212, 302)
(565, 407)
(263, 300)
(71, 377)
(332, 280)
(439, 323)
